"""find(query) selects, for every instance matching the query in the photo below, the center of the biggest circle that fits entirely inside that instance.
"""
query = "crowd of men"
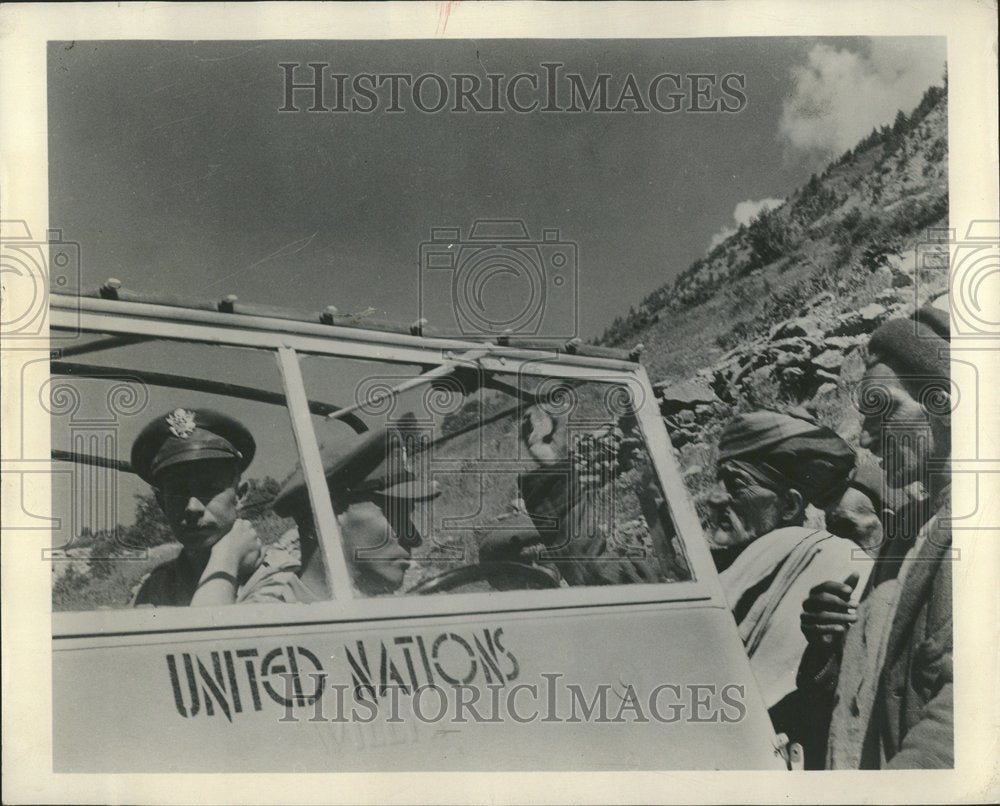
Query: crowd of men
(848, 629)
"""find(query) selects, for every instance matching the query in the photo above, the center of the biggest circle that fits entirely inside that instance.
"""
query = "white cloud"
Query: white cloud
(720, 236)
(748, 210)
(840, 95)
(744, 213)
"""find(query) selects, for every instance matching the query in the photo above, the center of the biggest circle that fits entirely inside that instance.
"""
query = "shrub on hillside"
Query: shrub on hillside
(877, 254)
(736, 335)
(938, 150)
(915, 215)
(815, 200)
(770, 238)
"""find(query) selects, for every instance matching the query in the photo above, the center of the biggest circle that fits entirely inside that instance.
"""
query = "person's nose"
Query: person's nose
(194, 509)
(718, 499)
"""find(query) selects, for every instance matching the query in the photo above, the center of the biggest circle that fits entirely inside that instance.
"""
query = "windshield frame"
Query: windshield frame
(288, 339)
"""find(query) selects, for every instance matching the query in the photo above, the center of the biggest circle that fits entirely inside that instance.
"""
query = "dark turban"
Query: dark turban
(916, 348)
(790, 450)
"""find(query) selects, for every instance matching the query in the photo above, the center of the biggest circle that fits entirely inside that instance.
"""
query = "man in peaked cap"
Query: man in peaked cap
(193, 459)
(373, 492)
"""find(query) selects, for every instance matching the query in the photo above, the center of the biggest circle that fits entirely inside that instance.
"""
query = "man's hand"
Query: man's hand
(232, 561)
(829, 611)
(239, 549)
(544, 435)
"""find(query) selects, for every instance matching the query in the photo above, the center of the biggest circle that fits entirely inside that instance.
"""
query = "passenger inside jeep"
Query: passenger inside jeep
(488, 481)
(373, 495)
(561, 503)
(167, 457)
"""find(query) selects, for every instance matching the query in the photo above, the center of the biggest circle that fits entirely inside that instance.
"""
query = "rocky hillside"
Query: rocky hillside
(775, 314)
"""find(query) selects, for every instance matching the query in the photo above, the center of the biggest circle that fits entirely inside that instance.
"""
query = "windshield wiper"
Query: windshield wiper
(97, 345)
(74, 369)
(443, 370)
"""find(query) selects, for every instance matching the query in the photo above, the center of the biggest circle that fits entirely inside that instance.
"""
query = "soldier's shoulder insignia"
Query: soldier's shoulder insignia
(181, 422)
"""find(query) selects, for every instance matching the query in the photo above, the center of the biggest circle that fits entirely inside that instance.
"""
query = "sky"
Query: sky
(171, 166)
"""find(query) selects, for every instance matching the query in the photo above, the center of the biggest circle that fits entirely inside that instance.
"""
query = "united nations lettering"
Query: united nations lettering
(232, 682)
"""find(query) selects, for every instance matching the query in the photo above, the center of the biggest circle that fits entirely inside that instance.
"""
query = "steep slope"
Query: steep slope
(776, 315)
(865, 210)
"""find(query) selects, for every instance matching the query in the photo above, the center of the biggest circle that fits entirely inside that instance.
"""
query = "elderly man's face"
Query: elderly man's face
(853, 516)
(746, 510)
(897, 429)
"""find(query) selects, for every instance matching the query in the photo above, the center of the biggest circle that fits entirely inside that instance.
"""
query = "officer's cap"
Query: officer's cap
(190, 435)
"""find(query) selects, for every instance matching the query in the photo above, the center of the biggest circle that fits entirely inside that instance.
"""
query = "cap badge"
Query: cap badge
(181, 422)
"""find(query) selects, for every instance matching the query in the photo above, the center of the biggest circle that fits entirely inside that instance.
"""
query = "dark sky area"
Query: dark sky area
(171, 166)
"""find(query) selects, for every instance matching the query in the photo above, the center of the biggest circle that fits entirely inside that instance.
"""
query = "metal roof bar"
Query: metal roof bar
(460, 362)
(71, 311)
(230, 305)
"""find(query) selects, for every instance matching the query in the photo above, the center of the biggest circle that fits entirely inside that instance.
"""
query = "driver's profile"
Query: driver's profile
(559, 495)
(373, 494)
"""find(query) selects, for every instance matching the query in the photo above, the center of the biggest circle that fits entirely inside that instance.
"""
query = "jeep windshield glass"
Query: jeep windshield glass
(490, 480)
(123, 535)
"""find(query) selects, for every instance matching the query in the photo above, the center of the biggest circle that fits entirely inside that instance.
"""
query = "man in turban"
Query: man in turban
(772, 465)
(885, 665)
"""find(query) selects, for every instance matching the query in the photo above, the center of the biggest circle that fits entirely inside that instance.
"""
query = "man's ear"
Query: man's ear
(242, 488)
(793, 506)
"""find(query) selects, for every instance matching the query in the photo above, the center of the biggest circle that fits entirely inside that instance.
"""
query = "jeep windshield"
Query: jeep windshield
(519, 480)
(491, 475)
